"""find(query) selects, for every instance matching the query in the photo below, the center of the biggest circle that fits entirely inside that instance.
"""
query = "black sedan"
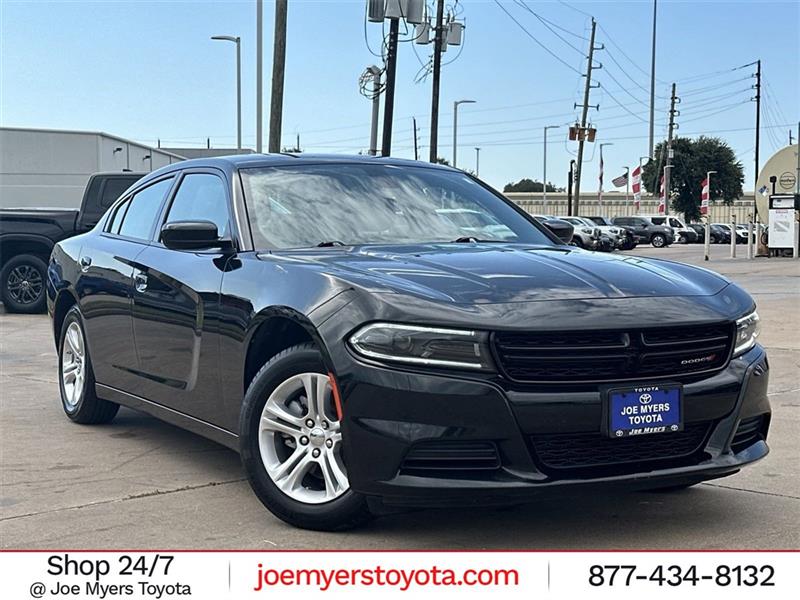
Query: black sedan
(363, 350)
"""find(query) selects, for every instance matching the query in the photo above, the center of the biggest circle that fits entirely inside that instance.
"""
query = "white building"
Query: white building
(50, 167)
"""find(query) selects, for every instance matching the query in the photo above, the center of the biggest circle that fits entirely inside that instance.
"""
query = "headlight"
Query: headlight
(586, 230)
(747, 330)
(430, 346)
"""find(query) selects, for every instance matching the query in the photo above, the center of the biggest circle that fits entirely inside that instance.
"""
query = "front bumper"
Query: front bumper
(390, 414)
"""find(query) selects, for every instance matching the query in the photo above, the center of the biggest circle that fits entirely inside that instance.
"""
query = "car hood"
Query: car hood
(505, 273)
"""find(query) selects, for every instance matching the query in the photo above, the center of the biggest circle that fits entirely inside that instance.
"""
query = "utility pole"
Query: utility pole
(455, 127)
(238, 41)
(278, 70)
(259, 72)
(584, 113)
(651, 148)
(391, 71)
(416, 139)
(668, 167)
(376, 108)
(437, 68)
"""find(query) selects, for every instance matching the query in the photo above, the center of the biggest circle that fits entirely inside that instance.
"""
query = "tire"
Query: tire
(76, 378)
(293, 470)
(658, 240)
(22, 284)
(578, 242)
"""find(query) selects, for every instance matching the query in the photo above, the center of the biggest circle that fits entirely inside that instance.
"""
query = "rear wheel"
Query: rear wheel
(76, 378)
(291, 444)
(23, 284)
(658, 240)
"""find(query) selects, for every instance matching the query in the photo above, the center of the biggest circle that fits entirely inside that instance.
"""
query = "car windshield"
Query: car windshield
(345, 204)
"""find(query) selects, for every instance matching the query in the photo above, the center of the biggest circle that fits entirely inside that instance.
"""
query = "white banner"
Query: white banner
(306, 574)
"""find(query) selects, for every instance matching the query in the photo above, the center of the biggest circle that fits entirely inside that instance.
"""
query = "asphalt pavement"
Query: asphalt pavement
(139, 483)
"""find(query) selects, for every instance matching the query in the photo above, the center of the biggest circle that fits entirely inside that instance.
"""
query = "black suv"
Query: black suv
(647, 232)
(363, 351)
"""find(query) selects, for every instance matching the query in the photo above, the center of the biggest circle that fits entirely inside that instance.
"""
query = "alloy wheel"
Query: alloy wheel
(24, 284)
(73, 365)
(299, 439)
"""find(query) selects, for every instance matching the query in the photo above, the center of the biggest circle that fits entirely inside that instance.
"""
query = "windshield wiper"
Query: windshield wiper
(330, 243)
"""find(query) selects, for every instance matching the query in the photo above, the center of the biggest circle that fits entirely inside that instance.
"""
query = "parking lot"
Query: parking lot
(139, 483)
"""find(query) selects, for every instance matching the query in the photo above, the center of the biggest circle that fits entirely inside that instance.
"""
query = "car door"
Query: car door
(105, 286)
(176, 304)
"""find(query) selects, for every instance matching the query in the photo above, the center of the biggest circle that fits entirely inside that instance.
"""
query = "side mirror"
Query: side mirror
(562, 229)
(192, 235)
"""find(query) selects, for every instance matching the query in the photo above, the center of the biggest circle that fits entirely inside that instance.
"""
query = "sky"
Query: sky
(148, 71)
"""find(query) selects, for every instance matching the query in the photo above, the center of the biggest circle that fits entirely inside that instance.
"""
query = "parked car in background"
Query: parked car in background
(27, 236)
(717, 235)
(742, 228)
(683, 234)
(647, 232)
(622, 236)
(741, 237)
(362, 354)
(587, 235)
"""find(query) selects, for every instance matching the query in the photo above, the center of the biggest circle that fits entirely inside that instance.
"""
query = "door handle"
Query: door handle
(140, 282)
(85, 263)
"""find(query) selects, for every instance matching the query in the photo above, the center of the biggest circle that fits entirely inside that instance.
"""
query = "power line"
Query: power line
(546, 23)
(618, 103)
(530, 35)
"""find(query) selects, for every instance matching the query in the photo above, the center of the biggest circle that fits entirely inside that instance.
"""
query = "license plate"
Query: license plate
(644, 409)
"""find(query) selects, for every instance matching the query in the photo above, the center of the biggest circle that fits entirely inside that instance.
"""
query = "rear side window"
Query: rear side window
(658, 220)
(201, 197)
(143, 207)
(116, 218)
(622, 221)
(676, 223)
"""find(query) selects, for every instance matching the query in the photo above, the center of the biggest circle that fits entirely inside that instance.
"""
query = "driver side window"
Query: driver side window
(201, 197)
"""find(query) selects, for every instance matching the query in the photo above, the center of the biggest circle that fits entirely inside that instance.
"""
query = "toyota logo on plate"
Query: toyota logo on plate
(645, 398)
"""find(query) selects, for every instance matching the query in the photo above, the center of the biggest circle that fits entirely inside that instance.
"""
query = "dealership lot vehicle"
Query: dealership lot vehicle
(741, 236)
(138, 466)
(684, 234)
(275, 335)
(27, 236)
(622, 237)
(647, 232)
(586, 235)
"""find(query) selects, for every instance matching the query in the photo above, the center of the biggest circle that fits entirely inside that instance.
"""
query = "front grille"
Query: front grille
(750, 431)
(425, 458)
(593, 453)
(594, 356)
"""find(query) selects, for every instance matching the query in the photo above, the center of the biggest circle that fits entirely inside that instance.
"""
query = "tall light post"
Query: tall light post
(477, 162)
(259, 72)
(375, 72)
(455, 127)
(651, 145)
(238, 41)
(544, 168)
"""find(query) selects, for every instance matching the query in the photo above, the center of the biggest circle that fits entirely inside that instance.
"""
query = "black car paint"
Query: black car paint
(179, 351)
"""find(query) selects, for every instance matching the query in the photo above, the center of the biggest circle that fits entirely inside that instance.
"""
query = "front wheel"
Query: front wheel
(658, 240)
(291, 444)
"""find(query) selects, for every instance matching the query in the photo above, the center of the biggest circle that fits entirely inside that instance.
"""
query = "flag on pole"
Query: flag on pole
(704, 194)
(620, 181)
(662, 198)
(637, 187)
(600, 189)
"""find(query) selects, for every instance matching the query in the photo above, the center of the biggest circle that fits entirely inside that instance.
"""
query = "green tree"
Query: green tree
(692, 159)
(529, 185)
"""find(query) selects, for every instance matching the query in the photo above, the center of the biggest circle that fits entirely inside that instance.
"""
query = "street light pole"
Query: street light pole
(376, 108)
(259, 72)
(544, 168)
(477, 162)
(455, 127)
(236, 40)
